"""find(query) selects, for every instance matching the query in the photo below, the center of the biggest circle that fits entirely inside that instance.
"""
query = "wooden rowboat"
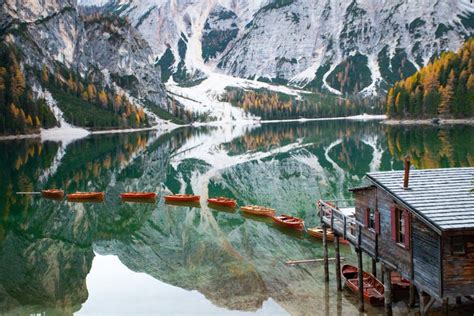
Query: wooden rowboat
(138, 195)
(400, 286)
(223, 201)
(289, 221)
(182, 198)
(373, 288)
(258, 210)
(52, 194)
(79, 196)
(317, 232)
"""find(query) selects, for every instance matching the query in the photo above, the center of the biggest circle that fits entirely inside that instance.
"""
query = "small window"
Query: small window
(371, 218)
(458, 246)
(400, 227)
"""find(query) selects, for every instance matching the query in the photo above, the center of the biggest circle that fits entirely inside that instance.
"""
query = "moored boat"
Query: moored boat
(222, 201)
(182, 198)
(317, 232)
(52, 194)
(258, 210)
(96, 196)
(138, 195)
(373, 288)
(289, 221)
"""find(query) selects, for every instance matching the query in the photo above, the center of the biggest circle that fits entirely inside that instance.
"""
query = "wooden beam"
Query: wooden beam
(360, 280)
(387, 285)
(411, 297)
(445, 306)
(325, 253)
(338, 263)
(458, 300)
(374, 267)
(291, 262)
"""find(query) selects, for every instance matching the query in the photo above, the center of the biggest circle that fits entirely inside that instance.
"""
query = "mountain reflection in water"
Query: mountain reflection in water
(193, 259)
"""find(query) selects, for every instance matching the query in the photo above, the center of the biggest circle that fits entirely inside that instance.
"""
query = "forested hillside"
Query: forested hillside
(444, 88)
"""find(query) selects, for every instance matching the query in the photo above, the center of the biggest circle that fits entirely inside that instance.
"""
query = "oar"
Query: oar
(28, 193)
(292, 262)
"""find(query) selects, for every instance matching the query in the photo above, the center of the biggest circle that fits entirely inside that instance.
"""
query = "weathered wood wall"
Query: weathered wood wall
(458, 276)
(426, 257)
(424, 243)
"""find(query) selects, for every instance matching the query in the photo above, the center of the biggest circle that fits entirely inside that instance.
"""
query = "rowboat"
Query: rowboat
(52, 194)
(258, 210)
(289, 221)
(182, 198)
(138, 195)
(400, 286)
(223, 201)
(96, 196)
(373, 288)
(317, 232)
(139, 200)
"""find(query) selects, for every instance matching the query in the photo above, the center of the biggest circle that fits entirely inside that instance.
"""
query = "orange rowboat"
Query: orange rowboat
(289, 221)
(79, 196)
(317, 232)
(373, 288)
(52, 194)
(138, 195)
(182, 198)
(222, 201)
(258, 210)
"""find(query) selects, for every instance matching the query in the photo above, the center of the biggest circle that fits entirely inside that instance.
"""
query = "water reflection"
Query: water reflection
(237, 262)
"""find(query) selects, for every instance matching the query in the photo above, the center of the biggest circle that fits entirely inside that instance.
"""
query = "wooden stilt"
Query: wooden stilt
(325, 253)
(382, 272)
(360, 280)
(338, 264)
(458, 300)
(387, 284)
(374, 267)
(445, 306)
(411, 297)
(422, 303)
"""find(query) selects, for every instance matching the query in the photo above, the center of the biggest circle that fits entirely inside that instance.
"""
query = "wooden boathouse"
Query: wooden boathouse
(420, 225)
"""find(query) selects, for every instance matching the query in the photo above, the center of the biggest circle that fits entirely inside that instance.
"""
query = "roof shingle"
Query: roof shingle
(441, 196)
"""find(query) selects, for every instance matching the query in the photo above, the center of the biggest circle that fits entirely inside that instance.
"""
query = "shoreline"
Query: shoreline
(71, 134)
(465, 121)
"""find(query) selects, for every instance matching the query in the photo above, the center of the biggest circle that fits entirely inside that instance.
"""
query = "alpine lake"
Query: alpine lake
(109, 258)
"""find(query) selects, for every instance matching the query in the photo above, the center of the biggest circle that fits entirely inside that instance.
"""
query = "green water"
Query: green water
(121, 258)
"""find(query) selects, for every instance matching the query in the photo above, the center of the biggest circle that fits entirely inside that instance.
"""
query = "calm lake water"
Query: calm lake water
(120, 258)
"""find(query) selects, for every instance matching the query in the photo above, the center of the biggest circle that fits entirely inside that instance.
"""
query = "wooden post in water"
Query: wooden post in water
(338, 263)
(360, 279)
(325, 253)
(445, 306)
(387, 287)
(458, 300)
(411, 297)
(374, 267)
(422, 303)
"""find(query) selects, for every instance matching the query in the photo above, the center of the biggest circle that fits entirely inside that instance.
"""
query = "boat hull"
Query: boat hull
(53, 194)
(258, 211)
(138, 195)
(373, 288)
(318, 233)
(182, 198)
(289, 222)
(80, 196)
(223, 202)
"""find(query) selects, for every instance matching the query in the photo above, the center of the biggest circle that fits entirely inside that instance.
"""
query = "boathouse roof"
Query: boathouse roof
(443, 197)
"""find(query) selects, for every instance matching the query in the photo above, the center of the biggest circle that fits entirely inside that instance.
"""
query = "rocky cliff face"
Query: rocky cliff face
(343, 46)
(105, 50)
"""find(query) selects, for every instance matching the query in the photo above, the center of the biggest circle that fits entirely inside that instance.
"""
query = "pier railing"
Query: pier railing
(342, 221)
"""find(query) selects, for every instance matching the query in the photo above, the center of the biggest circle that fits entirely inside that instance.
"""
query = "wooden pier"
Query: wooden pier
(419, 229)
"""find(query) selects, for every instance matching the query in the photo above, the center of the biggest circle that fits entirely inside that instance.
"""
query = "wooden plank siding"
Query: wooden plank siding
(424, 242)
(458, 270)
(426, 257)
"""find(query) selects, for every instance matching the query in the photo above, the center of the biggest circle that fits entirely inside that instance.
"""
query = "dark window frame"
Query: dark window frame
(460, 242)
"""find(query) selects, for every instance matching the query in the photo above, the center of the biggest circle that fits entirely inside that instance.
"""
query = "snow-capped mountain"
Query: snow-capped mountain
(344, 46)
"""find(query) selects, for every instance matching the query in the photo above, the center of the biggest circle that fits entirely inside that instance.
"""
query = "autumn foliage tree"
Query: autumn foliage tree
(443, 88)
